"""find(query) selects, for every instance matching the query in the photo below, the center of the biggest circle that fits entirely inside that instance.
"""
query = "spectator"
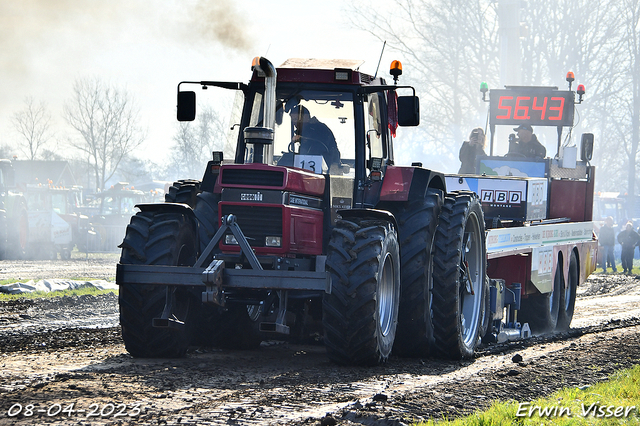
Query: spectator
(607, 239)
(628, 239)
(470, 150)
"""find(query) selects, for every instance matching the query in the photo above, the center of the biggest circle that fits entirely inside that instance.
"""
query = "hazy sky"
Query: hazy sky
(148, 46)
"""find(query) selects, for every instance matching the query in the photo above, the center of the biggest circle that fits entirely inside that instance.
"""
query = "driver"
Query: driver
(315, 137)
(527, 143)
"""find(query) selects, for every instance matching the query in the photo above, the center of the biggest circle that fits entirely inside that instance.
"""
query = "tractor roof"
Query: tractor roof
(322, 64)
(333, 71)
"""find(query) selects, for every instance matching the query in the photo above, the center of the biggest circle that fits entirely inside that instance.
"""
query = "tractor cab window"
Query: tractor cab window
(314, 130)
(108, 205)
(37, 201)
(59, 203)
(374, 128)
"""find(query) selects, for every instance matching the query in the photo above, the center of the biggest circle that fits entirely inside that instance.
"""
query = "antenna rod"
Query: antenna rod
(380, 60)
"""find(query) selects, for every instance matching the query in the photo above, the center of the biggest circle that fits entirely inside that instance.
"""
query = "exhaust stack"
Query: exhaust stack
(262, 137)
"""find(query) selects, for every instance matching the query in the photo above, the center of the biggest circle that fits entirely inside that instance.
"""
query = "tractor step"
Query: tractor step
(274, 327)
(167, 323)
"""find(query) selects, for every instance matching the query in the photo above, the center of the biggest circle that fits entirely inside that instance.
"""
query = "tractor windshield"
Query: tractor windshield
(314, 130)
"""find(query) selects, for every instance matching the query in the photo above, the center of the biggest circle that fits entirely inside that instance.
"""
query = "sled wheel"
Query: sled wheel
(541, 311)
(360, 315)
(485, 310)
(568, 299)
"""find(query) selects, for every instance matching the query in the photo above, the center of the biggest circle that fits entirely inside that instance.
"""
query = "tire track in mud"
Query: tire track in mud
(294, 384)
(290, 384)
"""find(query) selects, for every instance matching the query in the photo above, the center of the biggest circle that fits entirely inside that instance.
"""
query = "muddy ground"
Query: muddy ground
(62, 362)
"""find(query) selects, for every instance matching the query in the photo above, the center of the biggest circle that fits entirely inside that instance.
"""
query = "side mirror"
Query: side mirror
(408, 111)
(586, 151)
(186, 106)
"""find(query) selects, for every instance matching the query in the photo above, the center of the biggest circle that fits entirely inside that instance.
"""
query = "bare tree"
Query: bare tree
(107, 119)
(194, 142)
(134, 169)
(33, 123)
(450, 47)
(631, 21)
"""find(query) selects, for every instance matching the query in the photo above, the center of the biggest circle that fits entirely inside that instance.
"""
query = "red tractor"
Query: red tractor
(311, 232)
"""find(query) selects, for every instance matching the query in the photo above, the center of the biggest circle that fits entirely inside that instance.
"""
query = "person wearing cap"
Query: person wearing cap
(470, 150)
(314, 137)
(527, 144)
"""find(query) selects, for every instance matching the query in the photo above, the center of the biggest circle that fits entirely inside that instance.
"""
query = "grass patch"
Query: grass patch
(614, 402)
(50, 294)
(635, 270)
(80, 255)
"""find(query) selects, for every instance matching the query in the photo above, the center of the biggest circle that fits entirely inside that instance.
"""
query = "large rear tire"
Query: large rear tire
(417, 224)
(459, 274)
(156, 239)
(360, 315)
(568, 296)
(206, 211)
(541, 311)
(183, 191)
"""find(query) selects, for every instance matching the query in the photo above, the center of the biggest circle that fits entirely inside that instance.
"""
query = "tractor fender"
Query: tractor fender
(169, 208)
(409, 183)
(374, 213)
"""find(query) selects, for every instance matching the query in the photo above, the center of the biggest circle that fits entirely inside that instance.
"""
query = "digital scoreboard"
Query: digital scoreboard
(533, 106)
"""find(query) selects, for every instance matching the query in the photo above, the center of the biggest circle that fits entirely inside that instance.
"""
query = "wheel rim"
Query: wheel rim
(254, 312)
(471, 278)
(386, 291)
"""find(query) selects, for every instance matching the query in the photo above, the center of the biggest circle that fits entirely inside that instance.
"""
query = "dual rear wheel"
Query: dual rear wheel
(443, 299)
(360, 314)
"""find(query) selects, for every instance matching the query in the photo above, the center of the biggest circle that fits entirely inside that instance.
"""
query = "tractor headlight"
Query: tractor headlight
(273, 242)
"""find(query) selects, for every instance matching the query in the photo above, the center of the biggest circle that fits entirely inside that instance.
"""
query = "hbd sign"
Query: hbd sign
(500, 197)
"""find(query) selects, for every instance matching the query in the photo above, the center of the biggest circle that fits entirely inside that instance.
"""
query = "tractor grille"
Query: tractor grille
(256, 222)
(253, 177)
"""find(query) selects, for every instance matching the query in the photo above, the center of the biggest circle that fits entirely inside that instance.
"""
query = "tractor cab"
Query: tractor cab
(323, 116)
